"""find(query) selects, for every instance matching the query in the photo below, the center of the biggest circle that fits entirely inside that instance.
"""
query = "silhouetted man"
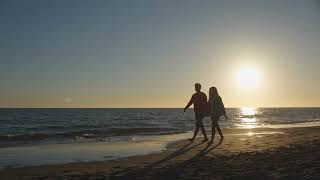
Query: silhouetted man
(199, 101)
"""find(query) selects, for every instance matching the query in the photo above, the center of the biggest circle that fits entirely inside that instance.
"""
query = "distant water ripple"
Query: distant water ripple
(25, 126)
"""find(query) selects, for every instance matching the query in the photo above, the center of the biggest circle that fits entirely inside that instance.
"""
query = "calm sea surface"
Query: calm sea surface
(37, 126)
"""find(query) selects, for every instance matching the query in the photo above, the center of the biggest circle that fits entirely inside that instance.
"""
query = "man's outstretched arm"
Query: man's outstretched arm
(188, 105)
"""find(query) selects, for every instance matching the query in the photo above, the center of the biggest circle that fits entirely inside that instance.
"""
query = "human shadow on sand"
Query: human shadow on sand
(174, 154)
(203, 152)
(141, 172)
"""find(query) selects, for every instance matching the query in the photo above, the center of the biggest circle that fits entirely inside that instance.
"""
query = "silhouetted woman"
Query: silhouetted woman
(216, 109)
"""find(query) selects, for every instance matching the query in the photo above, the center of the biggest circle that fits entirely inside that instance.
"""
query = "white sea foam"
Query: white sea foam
(85, 152)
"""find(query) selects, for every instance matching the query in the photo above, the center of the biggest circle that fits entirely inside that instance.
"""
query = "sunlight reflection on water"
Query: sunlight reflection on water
(248, 119)
(248, 111)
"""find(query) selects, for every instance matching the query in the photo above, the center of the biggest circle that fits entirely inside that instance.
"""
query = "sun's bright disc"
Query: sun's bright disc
(248, 78)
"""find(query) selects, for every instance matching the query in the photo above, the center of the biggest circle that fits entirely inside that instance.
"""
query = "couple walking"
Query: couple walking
(214, 108)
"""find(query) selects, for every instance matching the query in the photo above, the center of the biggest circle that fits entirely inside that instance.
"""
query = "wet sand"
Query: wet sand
(289, 153)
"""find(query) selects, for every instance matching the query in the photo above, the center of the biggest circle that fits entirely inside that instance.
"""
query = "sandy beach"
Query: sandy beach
(286, 153)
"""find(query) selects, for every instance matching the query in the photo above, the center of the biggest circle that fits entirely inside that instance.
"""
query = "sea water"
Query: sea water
(55, 136)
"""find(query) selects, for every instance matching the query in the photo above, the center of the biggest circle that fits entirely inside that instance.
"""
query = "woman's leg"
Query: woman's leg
(213, 129)
(219, 130)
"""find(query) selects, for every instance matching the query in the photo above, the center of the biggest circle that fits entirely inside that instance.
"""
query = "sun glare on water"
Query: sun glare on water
(248, 111)
(248, 118)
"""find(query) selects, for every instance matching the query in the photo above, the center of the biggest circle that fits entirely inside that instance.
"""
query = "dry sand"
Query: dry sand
(292, 153)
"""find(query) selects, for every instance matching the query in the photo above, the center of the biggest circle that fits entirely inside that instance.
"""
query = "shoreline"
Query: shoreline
(180, 153)
(137, 145)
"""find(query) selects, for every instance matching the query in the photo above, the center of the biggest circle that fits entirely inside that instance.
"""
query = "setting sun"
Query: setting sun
(248, 78)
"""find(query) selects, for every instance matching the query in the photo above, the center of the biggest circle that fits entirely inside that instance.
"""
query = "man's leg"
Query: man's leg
(202, 128)
(195, 132)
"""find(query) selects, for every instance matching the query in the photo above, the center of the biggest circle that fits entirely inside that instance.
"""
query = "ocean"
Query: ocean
(57, 136)
(21, 127)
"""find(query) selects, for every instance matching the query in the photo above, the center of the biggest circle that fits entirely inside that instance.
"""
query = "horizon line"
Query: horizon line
(148, 107)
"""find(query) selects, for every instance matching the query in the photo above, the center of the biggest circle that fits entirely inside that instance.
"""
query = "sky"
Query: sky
(115, 54)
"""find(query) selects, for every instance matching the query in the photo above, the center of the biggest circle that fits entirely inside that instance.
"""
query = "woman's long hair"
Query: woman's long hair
(213, 93)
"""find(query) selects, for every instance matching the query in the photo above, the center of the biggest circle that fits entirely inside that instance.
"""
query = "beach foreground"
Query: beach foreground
(286, 153)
